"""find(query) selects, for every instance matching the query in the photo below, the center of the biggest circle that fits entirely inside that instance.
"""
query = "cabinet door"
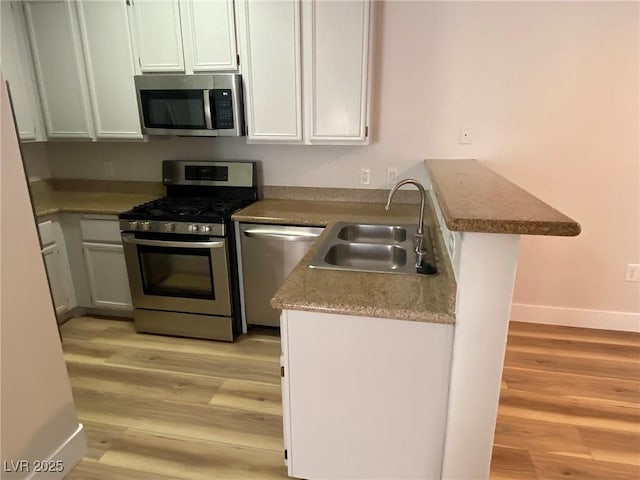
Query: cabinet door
(107, 272)
(269, 38)
(336, 47)
(57, 55)
(157, 35)
(209, 35)
(109, 60)
(52, 261)
(16, 66)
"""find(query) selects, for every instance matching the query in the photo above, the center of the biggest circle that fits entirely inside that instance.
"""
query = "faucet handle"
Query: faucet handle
(418, 240)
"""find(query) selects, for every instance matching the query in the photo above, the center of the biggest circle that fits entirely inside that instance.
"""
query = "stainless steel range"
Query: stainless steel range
(180, 250)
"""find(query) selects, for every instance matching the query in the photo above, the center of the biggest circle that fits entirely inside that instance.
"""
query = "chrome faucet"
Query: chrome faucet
(419, 238)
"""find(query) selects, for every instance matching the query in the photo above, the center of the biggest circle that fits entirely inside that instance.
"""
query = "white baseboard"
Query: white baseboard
(68, 454)
(576, 317)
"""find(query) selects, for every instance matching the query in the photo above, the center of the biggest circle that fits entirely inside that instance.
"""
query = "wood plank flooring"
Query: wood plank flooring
(160, 408)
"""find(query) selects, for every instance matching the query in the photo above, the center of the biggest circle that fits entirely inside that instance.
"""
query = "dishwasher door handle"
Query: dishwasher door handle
(288, 236)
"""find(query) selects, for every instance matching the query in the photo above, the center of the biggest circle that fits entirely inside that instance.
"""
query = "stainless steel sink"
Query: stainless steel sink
(373, 234)
(380, 258)
(371, 248)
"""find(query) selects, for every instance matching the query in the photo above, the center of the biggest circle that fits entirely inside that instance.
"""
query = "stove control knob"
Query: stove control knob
(169, 227)
(205, 228)
(193, 228)
(133, 225)
(146, 226)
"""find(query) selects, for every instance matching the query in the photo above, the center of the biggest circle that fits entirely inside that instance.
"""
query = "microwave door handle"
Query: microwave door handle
(169, 244)
(207, 110)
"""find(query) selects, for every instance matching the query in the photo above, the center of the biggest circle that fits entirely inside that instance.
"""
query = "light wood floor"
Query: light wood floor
(159, 408)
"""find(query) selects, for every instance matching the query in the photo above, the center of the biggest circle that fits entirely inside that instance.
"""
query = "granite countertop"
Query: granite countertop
(418, 298)
(474, 198)
(90, 196)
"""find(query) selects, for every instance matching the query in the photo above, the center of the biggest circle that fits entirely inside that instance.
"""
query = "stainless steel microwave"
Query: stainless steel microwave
(191, 105)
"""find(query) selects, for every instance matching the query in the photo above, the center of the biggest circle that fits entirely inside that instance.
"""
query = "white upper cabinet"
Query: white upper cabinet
(269, 37)
(188, 36)
(209, 36)
(57, 55)
(109, 61)
(17, 67)
(305, 66)
(336, 46)
(157, 35)
(84, 66)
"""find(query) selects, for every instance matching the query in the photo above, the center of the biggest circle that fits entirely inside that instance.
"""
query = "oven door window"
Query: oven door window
(183, 109)
(176, 272)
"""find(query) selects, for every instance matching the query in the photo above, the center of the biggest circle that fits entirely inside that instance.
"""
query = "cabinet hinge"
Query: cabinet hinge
(285, 455)
(140, 63)
(366, 131)
(238, 59)
(282, 371)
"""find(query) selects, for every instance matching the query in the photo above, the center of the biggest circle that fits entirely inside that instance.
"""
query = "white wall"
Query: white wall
(550, 91)
(38, 417)
(36, 161)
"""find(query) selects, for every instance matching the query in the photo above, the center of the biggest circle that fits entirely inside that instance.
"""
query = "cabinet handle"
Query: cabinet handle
(287, 236)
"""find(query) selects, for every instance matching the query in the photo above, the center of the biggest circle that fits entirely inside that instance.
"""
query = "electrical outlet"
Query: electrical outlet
(392, 175)
(365, 176)
(464, 136)
(633, 272)
(108, 169)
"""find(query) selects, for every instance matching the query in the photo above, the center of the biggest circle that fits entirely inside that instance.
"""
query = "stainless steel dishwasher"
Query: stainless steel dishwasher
(269, 253)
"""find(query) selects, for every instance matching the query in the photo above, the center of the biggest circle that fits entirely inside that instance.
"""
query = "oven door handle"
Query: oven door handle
(282, 235)
(162, 243)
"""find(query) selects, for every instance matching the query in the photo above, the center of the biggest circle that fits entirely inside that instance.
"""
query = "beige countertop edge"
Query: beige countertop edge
(43, 212)
(292, 294)
(102, 203)
(516, 227)
(474, 198)
(378, 312)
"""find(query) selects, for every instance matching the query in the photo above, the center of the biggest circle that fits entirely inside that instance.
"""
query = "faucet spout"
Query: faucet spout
(419, 237)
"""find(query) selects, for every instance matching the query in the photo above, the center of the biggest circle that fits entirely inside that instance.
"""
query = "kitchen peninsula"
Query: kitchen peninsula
(371, 361)
(430, 347)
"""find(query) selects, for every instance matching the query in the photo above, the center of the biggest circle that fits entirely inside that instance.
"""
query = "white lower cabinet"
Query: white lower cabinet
(104, 262)
(54, 265)
(107, 275)
(85, 263)
(57, 265)
(363, 397)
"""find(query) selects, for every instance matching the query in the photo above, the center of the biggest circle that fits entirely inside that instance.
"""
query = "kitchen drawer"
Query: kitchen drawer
(100, 229)
(47, 236)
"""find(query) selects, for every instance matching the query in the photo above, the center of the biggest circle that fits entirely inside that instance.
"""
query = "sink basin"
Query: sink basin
(373, 248)
(367, 256)
(373, 234)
